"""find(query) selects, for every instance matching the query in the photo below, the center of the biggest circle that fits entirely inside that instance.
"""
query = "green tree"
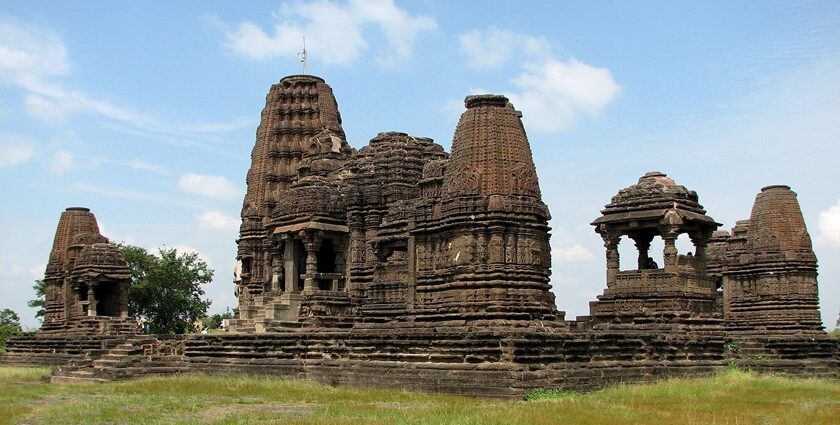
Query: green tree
(166, 288)
(214, 321)
(9, 325)
(38, 303)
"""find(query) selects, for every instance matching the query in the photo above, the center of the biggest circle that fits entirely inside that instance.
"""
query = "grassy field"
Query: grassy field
(732, 397)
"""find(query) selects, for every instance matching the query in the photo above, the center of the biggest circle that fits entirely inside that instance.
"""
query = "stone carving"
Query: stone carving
(656, 206)
(400, 260)
(87, 280)
(768, 270)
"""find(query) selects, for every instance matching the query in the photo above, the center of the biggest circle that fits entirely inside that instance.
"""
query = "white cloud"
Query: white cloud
(34, 60)
(187, 249)
(571, 253)
(553, 93)
(217, 187)
(493, 47)
(218, 221)
(28, 51)
(335, 32)
(37, 271)
(145, 166)
(560, 280)
(29, 57)
(15, 150)
(61, 162)
(829, 226)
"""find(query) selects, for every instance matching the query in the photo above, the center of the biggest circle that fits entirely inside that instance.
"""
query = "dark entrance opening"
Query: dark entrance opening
(83, 298)
(108, 299)
(300, 262)
(326, 264)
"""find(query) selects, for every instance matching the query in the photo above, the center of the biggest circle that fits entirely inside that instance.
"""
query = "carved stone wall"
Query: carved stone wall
(400, 266)
(299, 135)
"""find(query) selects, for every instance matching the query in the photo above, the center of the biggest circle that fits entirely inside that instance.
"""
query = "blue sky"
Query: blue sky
(146, 111)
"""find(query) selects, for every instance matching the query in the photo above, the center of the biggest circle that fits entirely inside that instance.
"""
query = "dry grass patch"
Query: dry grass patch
(732, 397)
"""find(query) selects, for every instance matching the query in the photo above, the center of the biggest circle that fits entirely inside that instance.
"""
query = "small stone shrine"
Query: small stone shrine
(87, 280)
(399, 265)
(680, 292)
(768, 272)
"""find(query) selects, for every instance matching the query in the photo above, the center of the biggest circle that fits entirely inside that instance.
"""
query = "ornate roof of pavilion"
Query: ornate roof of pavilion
(653, 197)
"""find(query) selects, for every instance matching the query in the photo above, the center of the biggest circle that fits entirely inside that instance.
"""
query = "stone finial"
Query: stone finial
(485, 100)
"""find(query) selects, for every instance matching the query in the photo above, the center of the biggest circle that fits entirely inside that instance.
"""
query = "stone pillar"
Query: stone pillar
(356, 243)
(311, 246)
(76, 303)
(124, 287)
(91, 300)
(643, 246)
(290, 257)
(669, 254)
(700, 241)
(613, 261)
(340, 263)
(276, 269)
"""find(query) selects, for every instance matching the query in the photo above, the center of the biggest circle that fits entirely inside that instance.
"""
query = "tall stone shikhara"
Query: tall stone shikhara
(768, 273)
(298, 109)
(482, 245)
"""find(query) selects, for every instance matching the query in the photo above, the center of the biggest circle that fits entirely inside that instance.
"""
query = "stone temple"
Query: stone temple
(399, 265)
(87, 280)
(398, 231)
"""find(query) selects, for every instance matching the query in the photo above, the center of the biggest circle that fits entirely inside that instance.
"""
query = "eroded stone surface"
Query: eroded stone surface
(394, 232)
(86, 281)
(401, 266)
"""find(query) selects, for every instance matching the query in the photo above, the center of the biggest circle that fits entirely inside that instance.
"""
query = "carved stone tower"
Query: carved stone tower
(298, 137)
(87, 280)
(769, 269)
(482, 247)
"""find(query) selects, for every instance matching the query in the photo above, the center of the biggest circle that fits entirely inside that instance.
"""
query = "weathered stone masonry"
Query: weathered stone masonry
(399, 265)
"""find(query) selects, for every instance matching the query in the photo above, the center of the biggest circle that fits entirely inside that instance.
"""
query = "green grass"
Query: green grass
(731, 397)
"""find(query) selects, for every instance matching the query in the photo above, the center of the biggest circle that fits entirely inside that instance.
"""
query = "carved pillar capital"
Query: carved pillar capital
(643, 240)
(611, 241)
(700, 239)
(669, 253)
(311, 243)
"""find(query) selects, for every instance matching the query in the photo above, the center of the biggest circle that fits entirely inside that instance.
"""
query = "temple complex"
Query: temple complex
(396, 231)
(401, 265)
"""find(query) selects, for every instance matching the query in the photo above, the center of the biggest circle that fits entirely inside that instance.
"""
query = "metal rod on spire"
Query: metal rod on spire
(302, 55)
